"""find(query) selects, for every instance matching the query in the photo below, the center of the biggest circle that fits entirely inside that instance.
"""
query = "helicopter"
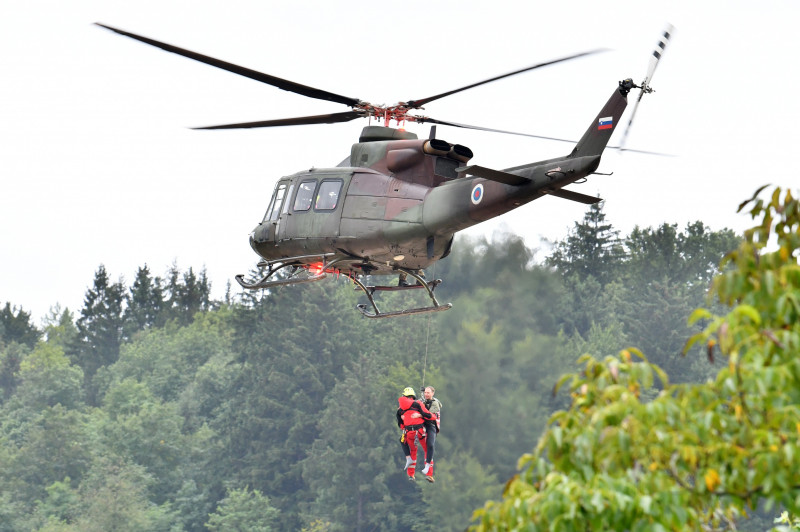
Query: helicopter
(394, 205)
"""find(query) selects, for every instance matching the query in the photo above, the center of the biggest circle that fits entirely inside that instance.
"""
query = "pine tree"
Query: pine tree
(16, 326)
(592, 248)
(145, 302)
(100, 328)
(187, 294)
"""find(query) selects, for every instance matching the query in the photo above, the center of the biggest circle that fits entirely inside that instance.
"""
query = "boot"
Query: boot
(410, 471)
(408, 462)
(428, 472)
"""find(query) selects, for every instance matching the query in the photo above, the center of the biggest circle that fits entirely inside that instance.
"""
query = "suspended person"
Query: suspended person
(411, 416)
(432, 426)
(402, 279)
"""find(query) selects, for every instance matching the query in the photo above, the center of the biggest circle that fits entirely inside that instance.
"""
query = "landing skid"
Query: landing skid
(276, 266)
(421, 283)
(326, 266)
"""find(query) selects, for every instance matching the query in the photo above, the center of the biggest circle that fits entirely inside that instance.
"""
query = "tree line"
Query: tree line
(155, 407)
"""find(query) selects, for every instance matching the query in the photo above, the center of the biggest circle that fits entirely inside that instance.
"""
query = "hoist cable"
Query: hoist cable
(427, 338)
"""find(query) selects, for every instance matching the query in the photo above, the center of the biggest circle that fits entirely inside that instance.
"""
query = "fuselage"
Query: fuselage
(398, 201)
(402, 207)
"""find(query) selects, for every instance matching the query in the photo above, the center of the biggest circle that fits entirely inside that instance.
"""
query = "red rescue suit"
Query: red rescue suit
(413, 427)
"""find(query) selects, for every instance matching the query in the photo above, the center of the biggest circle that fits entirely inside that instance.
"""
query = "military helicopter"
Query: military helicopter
(395, 204)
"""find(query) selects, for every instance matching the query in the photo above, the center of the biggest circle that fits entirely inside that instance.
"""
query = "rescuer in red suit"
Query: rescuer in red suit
(411, 416)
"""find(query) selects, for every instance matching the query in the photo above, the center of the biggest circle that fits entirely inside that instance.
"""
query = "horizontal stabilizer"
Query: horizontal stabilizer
(573, 196)
(494, 175)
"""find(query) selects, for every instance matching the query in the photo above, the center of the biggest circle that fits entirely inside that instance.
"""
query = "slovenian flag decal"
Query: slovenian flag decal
(606, 123)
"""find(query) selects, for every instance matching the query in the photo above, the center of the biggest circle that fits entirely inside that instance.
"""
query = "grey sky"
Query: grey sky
(98, 165)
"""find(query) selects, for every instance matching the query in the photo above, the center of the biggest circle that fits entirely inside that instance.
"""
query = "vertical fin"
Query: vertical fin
(595, 139)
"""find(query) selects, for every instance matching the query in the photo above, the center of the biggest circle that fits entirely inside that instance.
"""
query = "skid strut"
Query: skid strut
(421, 283)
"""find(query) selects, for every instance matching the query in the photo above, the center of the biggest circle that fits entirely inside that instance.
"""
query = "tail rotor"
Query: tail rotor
(645, 87)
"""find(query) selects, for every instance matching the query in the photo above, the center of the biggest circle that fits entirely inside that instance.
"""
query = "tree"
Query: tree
(167, 358)
(15, 326)
(351, 466)
(291, 347)
(187, 294)
(10, 358)
(696, 456)
(243, 511)
(462, 483)
(48, 379)
(100, 328)
(691, 256)
(45, 447)
(59, 327)
(655, 315)
(589, 262)
(114, 497)
(145, 302)
(60, 507)
(144, 431)
(593, 248)
(666, 275)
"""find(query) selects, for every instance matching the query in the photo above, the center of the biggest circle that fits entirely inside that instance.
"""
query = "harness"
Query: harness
(416, 426)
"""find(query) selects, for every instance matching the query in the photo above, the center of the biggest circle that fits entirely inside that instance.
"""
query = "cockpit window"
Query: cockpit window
(277, 201)
(305, 194)
(328, 195)
(288, 199)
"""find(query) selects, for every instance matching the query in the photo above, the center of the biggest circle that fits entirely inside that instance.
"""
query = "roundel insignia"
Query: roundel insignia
(477, 193)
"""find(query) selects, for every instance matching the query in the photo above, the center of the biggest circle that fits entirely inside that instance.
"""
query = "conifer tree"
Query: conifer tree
(145, 302)
(187, 294)
(593, 248)
(16, 326)
(100, 327)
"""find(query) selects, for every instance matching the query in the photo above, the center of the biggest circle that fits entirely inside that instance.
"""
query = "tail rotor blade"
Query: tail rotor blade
(659, 49)
(651, 69)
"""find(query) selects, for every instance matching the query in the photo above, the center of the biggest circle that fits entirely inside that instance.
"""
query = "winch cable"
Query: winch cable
(427, 340)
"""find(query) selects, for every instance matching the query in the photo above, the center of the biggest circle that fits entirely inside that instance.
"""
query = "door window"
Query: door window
(305, 194)
(328, 195)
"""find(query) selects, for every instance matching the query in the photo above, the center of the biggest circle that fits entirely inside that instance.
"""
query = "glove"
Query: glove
(403, 438)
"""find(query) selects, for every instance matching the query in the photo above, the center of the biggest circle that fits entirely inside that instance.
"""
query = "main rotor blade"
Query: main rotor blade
(284, 84)
(661, 45)
(298, 121)
(416, 104)
(422, 119)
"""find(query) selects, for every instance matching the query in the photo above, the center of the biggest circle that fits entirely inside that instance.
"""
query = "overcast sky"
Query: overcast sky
(98, 164)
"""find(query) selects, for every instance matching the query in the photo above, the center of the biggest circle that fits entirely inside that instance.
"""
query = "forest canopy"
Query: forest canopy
(156, 406)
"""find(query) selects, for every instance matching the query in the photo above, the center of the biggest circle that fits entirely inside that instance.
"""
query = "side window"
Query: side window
(328, 195)
(305, 194)
(288, 199)
(277, 201)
